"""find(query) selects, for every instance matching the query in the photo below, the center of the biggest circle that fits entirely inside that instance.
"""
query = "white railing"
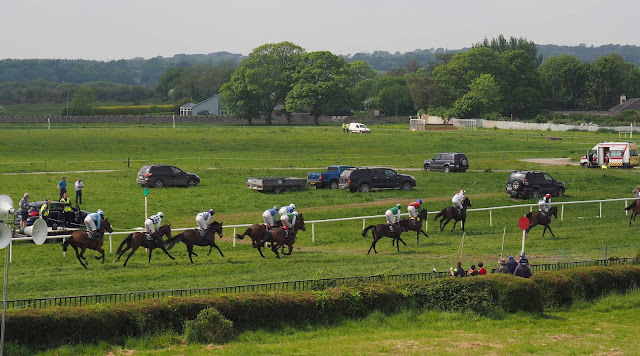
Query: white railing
(364, 219)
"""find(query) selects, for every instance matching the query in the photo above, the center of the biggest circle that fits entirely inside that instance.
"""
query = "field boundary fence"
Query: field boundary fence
(364, 220)
(285, 286)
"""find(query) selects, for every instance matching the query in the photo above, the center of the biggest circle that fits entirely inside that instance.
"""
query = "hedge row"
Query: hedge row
(133, 110)
(251, 311)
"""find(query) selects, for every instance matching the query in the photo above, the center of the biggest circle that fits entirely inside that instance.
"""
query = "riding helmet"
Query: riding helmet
(548, 195)
(398, 206)
(160, 214)
(276, 207)
(100, 212)
(420, 201)
(290, 210)
(211, 211)
(292, 206)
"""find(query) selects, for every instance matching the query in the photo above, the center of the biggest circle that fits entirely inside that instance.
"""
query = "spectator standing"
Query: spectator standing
(458, 271)
(44, 211)
(523, 269)
(472, 271)
(67, 212)
(503, 266)
(62, 186)
(24, 211)
(79, 186)
(512, 264)
(344, 128)
(481, 270)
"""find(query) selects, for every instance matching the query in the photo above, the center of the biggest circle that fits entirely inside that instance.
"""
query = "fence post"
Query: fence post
(625, 211)
(490, 218)
(426, 228)
(313, 232)
(531, 209)
(234, 237)
(110, 244)
(363, 223)
(562, 213)
(601, 210)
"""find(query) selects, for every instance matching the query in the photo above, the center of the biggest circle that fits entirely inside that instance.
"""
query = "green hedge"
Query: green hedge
(483, 294)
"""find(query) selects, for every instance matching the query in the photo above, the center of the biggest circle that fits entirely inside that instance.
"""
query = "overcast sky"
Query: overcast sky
(123, 29)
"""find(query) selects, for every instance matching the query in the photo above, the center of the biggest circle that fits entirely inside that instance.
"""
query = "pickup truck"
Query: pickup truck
(328, 179)
(276, 184)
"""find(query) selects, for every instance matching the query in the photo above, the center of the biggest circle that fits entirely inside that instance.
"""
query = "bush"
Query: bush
(209, 327)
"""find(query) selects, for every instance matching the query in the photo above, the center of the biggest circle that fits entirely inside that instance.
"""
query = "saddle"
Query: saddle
(202, 232)
(93, 235)
(149, 237)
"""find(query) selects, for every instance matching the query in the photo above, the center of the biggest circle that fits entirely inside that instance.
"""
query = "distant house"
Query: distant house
(209, 106)
(627, 104)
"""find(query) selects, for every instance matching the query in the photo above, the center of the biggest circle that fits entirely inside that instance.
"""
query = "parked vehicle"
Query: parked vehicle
(533, 184)
(612, 154)
(55, 220)
(160, 175)
(356, 127)
(364, 179)
(276, 184)
(447, 162)
(328, 179)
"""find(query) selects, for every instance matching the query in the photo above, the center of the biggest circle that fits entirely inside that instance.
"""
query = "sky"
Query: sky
(124, 29)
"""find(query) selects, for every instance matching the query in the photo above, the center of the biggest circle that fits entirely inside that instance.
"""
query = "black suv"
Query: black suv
(447, 162)
(533, 184)
(364, 179)
(159, 175)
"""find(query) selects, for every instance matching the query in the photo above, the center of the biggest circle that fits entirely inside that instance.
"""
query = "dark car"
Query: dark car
(533, 184)
(364, 179)
(447, 162)
(160, 175)
(55, 219)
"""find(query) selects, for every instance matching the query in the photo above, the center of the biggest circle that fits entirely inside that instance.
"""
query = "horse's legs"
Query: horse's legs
(165, 251)
(455, 222)
(274, 248)
(150, 252)
(101, 257)
(418, 237)
(549, 227)
(463, 220)
(133, 250)
(445, 224)
(82, 249)
(216, 246)
(633, 214)
(78, 257)
(122, 253)
(373, 243)
(425, 234)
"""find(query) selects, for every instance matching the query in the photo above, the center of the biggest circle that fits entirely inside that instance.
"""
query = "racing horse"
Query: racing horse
(257, 233)
(381, 230)
(278, 238)
(538, 218)
(193, 237)
(451, 212)
(81, 240)
(137, 239)
(414, 225)
(635, 210)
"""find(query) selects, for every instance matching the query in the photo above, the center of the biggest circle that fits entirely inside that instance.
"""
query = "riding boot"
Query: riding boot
(391, 227)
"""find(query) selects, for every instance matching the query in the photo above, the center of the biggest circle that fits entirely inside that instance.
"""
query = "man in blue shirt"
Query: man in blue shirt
(62, 187)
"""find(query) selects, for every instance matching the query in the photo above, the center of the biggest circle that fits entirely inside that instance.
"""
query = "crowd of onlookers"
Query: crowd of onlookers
(520, 268)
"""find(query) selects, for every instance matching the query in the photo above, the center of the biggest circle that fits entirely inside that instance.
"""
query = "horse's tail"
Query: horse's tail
(366, 229)
(173, 241)
(439, 214)
(246, 233)
(125, 241)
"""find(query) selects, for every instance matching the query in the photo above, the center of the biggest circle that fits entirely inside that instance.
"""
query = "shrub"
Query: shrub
(209, 327)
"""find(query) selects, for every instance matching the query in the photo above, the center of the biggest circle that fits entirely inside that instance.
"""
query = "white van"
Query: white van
(358, 128)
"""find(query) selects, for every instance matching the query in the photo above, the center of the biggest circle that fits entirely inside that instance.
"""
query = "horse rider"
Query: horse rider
(149, 224)
(415, 209)
(392, 215)
(202, 219)
(289, 220)
(67, 213)
(633, 204)
(545, 204)
(44, 210)
(284, 210)
(92, 222)
(457, 200)
(269, 216)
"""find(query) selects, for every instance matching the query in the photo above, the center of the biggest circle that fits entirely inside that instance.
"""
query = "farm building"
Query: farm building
(209, 106)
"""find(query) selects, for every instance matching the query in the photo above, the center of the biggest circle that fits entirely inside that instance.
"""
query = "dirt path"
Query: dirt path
(64, 172)
(552, 161)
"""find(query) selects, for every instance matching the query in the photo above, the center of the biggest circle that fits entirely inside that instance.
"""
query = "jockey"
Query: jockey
(545, 204)
(458, 199)
(413, 214)
(92, 222)
(151, 220)
(392, 215)
(283, 210)
(203, 218)
(269, 216)
(289, 220)
(633, 204)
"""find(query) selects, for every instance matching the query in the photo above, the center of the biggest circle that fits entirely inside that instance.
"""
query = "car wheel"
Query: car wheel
(158, 183)
(535, 193)
(333, 185)
(560, 192)
(585, 165)
(427, 167)
(365, 188)
(446, 169)
(406, 186)
(277, 190)
(191, 183)
(464, 162)
(515, 184)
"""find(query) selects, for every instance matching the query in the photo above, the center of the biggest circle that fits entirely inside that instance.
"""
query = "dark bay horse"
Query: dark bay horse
(634, 212)
(277, 237)
(451, 212)
(193, 237)
(538, 218)
(381, 230)
(257, 233)
(408, 224)
(80, 239)
(137, 239)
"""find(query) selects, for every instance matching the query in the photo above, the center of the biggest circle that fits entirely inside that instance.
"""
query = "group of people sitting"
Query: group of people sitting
(520, 268)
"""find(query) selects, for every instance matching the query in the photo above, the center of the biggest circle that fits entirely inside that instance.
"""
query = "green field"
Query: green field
(224, 156)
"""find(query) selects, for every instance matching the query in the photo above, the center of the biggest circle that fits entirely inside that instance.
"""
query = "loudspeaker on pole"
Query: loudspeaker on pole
(38, 231)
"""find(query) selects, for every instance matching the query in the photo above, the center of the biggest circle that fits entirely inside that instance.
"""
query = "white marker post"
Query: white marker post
(145, 192)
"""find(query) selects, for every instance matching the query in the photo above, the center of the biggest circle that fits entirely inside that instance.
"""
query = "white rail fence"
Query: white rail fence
(364, 220)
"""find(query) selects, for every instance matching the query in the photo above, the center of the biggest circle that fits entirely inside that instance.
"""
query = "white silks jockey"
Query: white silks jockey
(203, 218)
(458, 199)
(153, 222)
(545, 204)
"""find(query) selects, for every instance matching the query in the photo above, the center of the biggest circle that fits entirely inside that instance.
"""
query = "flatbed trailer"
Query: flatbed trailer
(276, 184)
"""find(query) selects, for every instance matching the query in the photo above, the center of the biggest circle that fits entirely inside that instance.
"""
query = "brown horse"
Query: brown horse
(381, 230)
(80, 239)
(278, 239)
(257, 233)
(451, 212)
(635, 210)
(408, 224)
(137, 239)
(538, 218)
(193, 237)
